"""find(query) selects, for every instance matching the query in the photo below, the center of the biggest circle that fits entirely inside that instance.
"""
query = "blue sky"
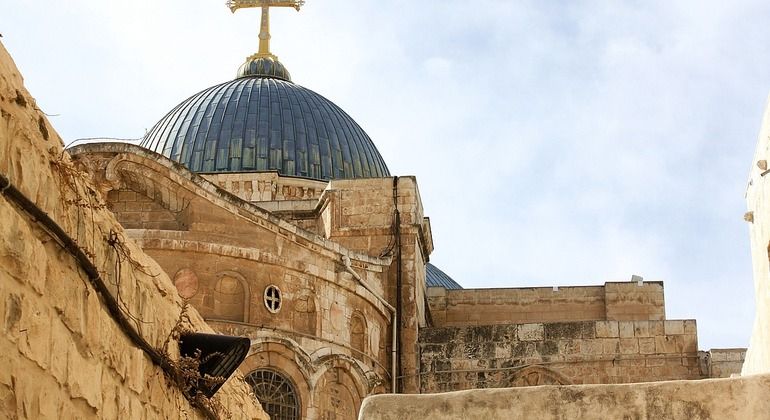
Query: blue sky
(555, 143)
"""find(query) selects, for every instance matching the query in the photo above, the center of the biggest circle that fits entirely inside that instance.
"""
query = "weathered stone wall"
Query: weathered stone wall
(456, 358)
(63, 354)
(758, 218)
(135, 210)
(743, 398)
(359, 214)
(613, 301)
(724, 363)
(504, 306)
(627, 301)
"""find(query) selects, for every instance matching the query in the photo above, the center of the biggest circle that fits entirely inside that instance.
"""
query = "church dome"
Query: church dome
(261, 121)
(434, 277)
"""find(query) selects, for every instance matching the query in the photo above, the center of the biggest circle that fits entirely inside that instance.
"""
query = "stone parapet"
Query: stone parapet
(489, 356)
(614, 301)
(743, 398)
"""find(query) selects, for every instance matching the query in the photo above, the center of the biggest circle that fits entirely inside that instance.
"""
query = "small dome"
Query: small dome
(437, 278)
(265, 123)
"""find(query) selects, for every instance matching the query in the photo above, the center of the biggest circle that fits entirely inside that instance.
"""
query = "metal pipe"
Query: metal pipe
(394, 327)
(399, 286)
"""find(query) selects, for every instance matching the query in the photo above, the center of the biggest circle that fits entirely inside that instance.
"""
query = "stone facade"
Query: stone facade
(64, 355)
(336, 254)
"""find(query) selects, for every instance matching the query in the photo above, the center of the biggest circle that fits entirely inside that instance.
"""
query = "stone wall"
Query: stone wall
(744, 398)
(62, 352)
(758, 218)
(614, 301)
(725, 363)
(456, 358)
(135, 210)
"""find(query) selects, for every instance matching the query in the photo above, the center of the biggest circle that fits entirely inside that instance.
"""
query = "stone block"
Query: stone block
(607, 329)
(530, 332)
(126, 195)
(626, 329)
(84, 377)
(561, 330)
(673, 327)
(570, 347)
(665, 344)
(656, 328)
(591, 347)
(629, 346)
(646, 345)
(35, 332)
(642, 329)
(610, 346)
(690, 327)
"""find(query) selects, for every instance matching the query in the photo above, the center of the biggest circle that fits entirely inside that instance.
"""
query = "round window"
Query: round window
(273, 298)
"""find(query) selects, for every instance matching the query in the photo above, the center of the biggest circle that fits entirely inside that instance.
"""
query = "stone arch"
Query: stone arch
(339, 390)
(276, 392)
(358, 336)
(286, 358)
(538, 375)
(230, 297)
(355, 368)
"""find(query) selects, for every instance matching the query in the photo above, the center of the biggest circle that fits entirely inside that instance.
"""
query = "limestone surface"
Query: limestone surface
(62, 353)
(742, 398)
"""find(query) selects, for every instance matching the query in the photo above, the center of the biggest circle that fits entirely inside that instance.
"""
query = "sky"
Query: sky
(554, 142)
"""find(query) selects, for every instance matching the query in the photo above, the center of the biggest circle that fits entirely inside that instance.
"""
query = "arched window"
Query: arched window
(276, 393)
(358, 332)
(229, 298)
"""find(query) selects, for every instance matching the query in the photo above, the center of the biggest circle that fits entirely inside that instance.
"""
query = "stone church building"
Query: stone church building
(278, 220)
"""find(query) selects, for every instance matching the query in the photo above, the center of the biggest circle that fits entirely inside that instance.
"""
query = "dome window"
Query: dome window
(273, 298)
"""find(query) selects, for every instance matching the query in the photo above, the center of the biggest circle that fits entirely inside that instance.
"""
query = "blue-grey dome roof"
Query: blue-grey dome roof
(265, 124)
(437, 278)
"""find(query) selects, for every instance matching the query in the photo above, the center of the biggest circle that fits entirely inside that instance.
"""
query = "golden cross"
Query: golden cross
(264, 27)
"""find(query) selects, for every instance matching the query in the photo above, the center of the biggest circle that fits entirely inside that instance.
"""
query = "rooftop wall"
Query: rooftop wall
(744, 398)
(616, 301)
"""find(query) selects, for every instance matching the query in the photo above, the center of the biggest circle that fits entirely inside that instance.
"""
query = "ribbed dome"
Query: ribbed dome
(264, 124)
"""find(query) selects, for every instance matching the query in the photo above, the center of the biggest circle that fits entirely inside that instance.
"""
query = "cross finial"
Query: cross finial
(264, 27)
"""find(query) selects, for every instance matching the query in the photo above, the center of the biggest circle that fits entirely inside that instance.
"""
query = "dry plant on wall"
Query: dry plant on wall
(186, 374)
(77, 193)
